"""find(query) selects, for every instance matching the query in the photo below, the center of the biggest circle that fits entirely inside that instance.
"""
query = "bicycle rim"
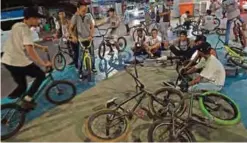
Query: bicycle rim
(101, 51)
(13, 112)
(197, 32)
(112, 126)
(220, 108)
(239, 62)
(122, 43)
(59, 62)
(161, 131)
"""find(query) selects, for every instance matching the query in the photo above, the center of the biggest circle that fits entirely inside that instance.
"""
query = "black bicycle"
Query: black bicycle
(112, 125)
(109, 41)
(13, 114)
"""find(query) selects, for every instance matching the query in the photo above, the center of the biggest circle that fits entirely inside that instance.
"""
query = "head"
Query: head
(187, 12)
(209, 12)
(32, 17)
(82, 8)
(200, 39)
(139, 32)
(154, 33)
(111, 12)
(204, 49)
(183, 35)
(61, 14)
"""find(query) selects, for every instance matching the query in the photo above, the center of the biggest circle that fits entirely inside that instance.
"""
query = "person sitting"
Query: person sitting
(185, 20)
(153, 44)
(212, 75)
(140, 39)
(208, 21)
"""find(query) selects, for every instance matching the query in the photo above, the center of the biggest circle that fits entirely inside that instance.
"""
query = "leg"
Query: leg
(228, 31)
(20, 80)
(75, 47)
(175, 51)
(205, 86)
(127, 28)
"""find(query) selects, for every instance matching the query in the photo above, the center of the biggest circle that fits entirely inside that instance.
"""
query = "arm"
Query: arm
(192, 70)
(164, 13)
(195, 81)
(43, 48)
(33, 55)
(191, 62)
(101, 22)
(72, 28)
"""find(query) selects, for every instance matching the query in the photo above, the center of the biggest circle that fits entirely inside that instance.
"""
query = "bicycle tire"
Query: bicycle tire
(179, 110)
(88, 66)
(237, 116)
(196, 34)
(237, 63)
(218, 23)
(101, 51)
(21, 123)
(135, 31)
(55, 83)
(59, 57)
(168, 122)
(95, 138)
(125, 43)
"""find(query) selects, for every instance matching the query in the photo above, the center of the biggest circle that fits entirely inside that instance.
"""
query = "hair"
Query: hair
(154, 29)
(209, 12)
(139, 30)
(111, 10)
(183, 33)
(188, 12)
(205, 48)
(79, 4)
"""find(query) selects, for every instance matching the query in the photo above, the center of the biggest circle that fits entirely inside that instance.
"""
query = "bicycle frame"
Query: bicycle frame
(60, 50)
(85, 52)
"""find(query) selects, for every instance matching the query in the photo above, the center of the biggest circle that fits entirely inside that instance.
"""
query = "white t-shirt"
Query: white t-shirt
(183, 17)
(152, 41)
(213, 70)
(14, 54)
(208, 22)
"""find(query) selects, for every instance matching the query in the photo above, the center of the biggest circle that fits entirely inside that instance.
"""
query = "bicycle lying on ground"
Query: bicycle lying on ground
(13, 114)
(233, 54)
(212, 104)
(114, 124)
(107, 41)
(239, 33)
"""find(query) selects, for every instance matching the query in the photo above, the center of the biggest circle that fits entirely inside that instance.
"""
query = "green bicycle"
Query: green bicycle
(85, 70)
(235, 55)
(13, 114)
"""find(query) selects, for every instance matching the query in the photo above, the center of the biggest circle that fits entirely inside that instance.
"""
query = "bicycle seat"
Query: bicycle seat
(111, 102)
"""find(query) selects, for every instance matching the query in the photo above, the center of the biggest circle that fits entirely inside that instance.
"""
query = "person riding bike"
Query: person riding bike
(82, 27)
(114, 22)
(212, 75)
(231, 8)
(20, 55)
(140, 39)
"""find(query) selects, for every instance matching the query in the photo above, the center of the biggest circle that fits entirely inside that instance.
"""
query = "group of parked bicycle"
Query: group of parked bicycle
(194, 56)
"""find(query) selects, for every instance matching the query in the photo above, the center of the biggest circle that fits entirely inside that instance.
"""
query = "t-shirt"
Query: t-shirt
(82, 24)
(166, 18)
(14, 50)
(152, 41)
(231, 8)
(113, 21)
(208, 22)
(183, 18)
(213, 70)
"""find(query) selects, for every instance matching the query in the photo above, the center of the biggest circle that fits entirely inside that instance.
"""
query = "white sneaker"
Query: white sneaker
(163, 58)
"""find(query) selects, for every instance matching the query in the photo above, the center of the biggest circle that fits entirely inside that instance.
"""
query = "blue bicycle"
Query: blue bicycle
(13, 114)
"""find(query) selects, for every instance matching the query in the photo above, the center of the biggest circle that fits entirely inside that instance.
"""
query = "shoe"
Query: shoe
(28, 104)
(111, 53)
(163, 58)
(94, 70)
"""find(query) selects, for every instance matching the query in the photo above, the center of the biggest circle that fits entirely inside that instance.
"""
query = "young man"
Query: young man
(166, 13)
(114, 22)
(215, 7)
(127, 20)
(208, 21)
(20, 55)
(185, 19)
(153, 44)
(231, 8)
(82, 27)
(139, 48)
(212, 76)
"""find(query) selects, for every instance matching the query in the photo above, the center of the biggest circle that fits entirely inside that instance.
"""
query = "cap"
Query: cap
(204, 47)
(32, 12)
(201, 38)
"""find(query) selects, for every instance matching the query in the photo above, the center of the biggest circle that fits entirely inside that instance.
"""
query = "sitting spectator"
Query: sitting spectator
(185, 20)
(139, 48)
(212, 75)
(152, 45)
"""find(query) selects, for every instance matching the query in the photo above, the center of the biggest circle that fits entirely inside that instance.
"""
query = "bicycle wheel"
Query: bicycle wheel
(161, 131)
(220, 108)
(197, 32)
(88, 66)
(60, 92)
(167, 99)
(220, 31)
(239, 62)
(122, 43)
(12, 119)
(216, 23)
(107, 125)
(59, 62)
(134, 36)
(101, 51)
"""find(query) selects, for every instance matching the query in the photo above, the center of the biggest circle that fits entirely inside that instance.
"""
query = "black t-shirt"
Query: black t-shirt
(166, 18)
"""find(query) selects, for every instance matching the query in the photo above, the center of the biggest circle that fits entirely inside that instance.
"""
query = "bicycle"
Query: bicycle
(107, 41)
(238, 32)
(17, 112)
(233, 54)
(178, 127)
(116, 121)
(59, 60)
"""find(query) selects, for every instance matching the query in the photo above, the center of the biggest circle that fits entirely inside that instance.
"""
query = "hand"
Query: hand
(45, 48)
(48, 64)
(90, 38)
(74, 39)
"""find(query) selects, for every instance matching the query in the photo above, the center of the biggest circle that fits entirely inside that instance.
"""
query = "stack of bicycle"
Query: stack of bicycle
(172, 117)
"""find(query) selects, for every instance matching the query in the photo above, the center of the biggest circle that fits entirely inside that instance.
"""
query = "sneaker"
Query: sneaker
(111, 53)
(28, 104)
(94, 70)
(163, 58)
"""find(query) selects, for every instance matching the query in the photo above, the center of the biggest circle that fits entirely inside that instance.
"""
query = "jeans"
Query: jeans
(91, 51)
(228, 30)
(19, 74)
(205, 86)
